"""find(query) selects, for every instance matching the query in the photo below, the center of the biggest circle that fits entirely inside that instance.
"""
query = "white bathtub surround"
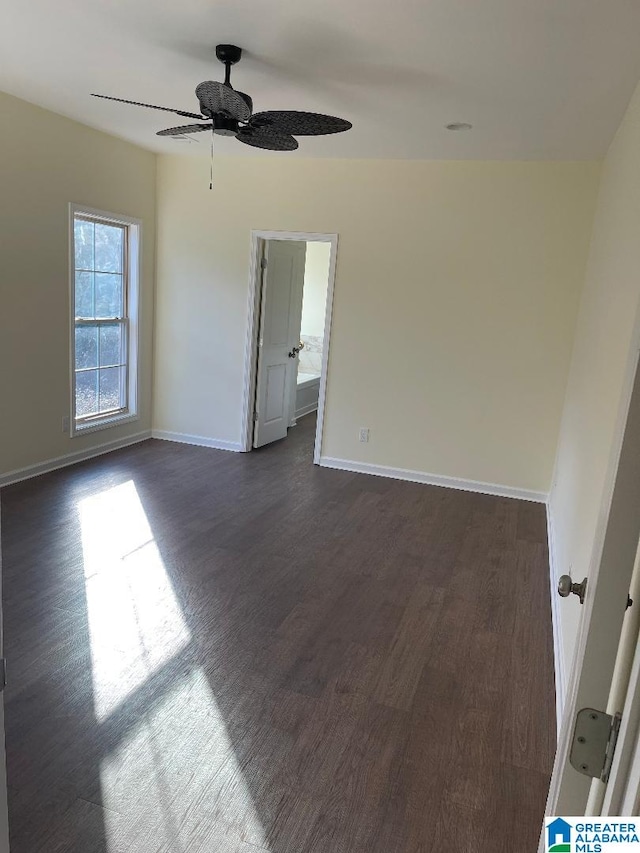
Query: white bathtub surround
(309, 372)
(310, 358)
(308, 390)
(307, 380)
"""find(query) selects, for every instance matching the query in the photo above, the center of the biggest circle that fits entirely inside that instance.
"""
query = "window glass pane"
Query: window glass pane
(101, 351)
(110, 389)
(83, 244)
(86, 393)
(110, 345)
(84, 294)
(108, 248)
(108, 295)
(86, 346)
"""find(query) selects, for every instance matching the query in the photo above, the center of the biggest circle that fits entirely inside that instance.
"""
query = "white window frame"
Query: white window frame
(133, 256)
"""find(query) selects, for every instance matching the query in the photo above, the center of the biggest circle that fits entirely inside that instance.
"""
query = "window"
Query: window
(104, 301)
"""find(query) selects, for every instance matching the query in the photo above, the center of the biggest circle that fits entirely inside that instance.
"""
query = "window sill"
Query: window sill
(103, 423)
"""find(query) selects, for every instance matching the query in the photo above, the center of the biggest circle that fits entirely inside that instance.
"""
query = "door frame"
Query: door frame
(258, 238)
(4, 806)
(611, 547)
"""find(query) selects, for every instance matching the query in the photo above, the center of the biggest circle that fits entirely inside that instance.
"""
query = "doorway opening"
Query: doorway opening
(291, 285)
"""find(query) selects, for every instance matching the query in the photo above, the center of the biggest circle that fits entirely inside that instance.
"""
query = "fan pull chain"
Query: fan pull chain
(213, 131)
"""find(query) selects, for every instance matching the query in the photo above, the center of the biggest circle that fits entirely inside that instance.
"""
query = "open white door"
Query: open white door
(609, 579)
(4, 811)
(281, 310)
(621, 793)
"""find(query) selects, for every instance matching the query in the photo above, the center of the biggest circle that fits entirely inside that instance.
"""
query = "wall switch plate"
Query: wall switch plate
(65, 423)
(363, 434)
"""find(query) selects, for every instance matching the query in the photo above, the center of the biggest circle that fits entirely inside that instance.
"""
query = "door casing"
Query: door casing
(253, 319)
(4, 809)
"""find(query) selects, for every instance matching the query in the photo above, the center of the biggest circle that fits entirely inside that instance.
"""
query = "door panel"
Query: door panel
(276, 396)
(277, 330)
(609, 579)
(281, 309)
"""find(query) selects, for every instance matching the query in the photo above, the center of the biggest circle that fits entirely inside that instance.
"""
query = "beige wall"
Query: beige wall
(316, 279)
(47, 161)
(604, 347)
(456, 295)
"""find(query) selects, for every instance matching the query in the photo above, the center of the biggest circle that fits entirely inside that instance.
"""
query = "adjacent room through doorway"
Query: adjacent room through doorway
(314, 303)
(288, 334)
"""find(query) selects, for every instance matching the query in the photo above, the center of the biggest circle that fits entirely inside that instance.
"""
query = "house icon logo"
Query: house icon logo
(559, 836)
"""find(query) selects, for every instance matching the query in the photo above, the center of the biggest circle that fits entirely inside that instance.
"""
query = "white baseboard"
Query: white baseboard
(556, 620)
(198, 440)
(71, 458)
(433, 479)
(306, 410)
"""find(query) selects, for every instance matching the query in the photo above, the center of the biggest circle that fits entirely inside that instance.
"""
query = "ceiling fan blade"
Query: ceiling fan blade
(268, 138)
(186, 128)
(149, 106)
(300, 123)
(217, 97)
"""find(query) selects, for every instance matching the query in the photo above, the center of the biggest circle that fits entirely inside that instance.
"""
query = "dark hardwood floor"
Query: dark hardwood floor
(211, 651)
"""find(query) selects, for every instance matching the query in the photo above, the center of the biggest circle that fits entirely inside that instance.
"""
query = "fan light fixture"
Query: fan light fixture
(227, 112)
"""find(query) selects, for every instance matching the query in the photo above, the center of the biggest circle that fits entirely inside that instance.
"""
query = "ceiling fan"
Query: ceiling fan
(228, 112)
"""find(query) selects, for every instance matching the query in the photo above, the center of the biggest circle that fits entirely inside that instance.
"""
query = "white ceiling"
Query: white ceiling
(538, 79)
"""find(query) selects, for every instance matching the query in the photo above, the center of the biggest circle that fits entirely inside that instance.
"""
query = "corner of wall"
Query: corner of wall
(154, 291)
(556, 618)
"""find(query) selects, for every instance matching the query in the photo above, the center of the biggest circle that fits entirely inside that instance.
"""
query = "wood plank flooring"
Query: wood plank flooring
(212, 651)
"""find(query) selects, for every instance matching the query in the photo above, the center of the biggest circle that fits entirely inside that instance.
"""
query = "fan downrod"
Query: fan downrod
(228, 54)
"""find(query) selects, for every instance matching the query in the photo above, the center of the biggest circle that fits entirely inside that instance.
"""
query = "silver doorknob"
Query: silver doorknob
(566, 587)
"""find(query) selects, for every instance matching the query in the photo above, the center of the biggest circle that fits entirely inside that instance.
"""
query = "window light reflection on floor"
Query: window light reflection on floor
(171, 779)
(175, 783)
(135, 622)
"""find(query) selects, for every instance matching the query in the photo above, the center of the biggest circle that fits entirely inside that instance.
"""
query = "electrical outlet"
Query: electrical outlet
(363, 435)
(65, 423)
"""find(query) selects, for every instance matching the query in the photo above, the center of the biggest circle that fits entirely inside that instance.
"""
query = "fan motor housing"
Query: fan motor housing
(225, 125)
(228, 53)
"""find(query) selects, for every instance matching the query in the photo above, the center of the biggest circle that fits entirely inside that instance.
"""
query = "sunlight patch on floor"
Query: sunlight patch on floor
(175, 783)
(135, 621)
(171, 780)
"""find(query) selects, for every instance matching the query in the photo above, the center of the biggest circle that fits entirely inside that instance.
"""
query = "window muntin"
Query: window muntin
(102, 352)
